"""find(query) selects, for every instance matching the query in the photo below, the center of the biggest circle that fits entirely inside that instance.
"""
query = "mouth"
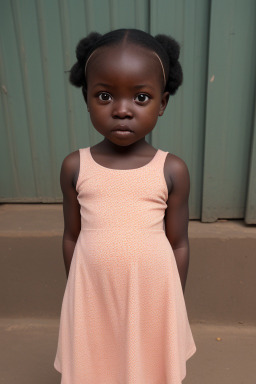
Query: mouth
(122, 128)
(122, 132)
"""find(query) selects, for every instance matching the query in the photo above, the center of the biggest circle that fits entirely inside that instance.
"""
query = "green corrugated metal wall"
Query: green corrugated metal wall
(210, 122)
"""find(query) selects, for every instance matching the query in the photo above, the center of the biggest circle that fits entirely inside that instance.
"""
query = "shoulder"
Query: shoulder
(177, 173)
(70, 168)
(71, 160)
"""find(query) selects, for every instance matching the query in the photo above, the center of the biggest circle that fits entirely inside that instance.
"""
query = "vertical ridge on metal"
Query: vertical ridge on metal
(250, 211)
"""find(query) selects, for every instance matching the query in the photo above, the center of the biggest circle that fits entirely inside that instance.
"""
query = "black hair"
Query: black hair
(165, 46)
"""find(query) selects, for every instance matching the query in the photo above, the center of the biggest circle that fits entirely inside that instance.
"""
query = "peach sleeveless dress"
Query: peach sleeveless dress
(123, 318)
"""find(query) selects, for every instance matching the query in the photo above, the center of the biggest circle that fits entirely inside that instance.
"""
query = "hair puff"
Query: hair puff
(77, 74)
(175, 74)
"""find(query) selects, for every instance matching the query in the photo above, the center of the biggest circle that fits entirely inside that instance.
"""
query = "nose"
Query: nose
(122, 109)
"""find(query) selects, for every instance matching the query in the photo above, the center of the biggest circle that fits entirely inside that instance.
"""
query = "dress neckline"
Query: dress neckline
(122, 170)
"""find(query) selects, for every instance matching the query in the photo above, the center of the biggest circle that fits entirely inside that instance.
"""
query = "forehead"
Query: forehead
(127, 60)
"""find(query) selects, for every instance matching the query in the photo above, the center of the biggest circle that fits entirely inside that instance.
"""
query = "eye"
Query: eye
(142, 98)
(104, 96)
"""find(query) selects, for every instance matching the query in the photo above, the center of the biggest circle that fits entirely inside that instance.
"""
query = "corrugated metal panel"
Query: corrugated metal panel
(208, 123)
(230, 108)
(181, 129)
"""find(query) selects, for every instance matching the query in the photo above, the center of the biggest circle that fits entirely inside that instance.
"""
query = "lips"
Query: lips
(122, 128)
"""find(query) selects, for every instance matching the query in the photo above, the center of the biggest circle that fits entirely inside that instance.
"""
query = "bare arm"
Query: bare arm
(177, 215)
(71, 207)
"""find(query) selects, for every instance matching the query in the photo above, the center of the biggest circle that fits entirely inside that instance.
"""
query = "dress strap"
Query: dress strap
(162, 156)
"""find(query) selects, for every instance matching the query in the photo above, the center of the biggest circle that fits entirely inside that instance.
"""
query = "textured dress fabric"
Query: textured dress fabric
(123, 317)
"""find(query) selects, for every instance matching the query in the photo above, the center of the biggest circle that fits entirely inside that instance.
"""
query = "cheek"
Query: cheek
(152, 112)
(99, 116)
(148, 120)
(96, 110)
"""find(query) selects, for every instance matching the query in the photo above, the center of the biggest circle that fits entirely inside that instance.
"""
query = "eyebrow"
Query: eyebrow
(103, 85)
(143, 86)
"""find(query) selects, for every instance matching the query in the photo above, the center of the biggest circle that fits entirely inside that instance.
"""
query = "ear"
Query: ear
(164, 102)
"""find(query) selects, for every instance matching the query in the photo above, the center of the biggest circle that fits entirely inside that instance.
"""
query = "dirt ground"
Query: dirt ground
(225, 354)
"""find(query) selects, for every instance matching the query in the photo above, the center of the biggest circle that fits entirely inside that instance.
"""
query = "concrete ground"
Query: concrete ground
(225, 354)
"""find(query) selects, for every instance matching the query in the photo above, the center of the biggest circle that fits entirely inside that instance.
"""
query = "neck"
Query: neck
(134, 147)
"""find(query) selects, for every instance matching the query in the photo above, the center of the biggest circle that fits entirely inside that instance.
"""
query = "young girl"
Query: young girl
(125, 203)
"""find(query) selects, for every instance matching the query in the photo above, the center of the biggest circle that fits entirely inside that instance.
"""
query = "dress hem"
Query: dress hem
(189, 355)
(57, 367)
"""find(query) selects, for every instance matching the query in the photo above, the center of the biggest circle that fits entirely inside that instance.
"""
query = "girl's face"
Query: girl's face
(124, 92)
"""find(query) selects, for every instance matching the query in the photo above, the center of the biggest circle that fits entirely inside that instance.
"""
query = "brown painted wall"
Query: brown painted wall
(221, 283)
